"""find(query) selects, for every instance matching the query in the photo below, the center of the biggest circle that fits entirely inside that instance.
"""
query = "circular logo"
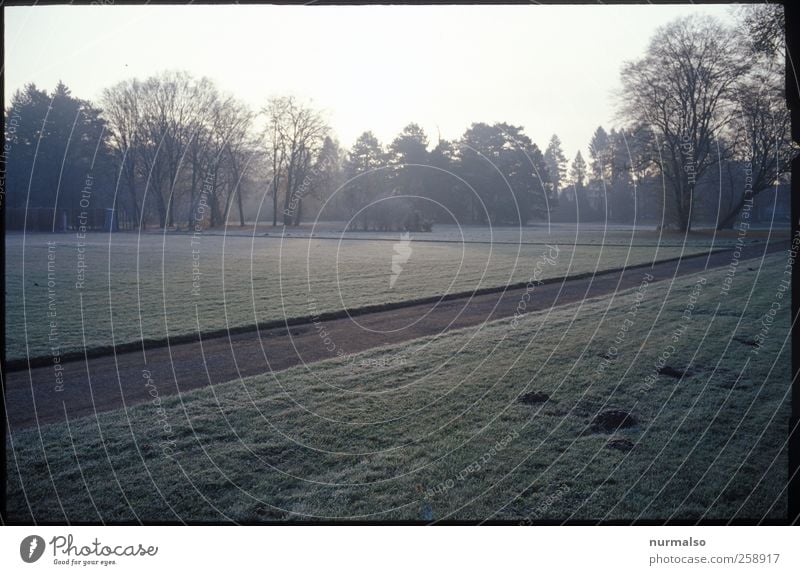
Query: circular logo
(31, 548)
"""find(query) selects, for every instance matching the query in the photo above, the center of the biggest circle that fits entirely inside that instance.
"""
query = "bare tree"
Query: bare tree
(761, 143)
(296, 135)
(201, 156)
(186, 103)
(173, 110)
(121, 110)
(234, 122)
(764, 26)
(683, 90)
(760, 137)
(276, 147)
(182, 143)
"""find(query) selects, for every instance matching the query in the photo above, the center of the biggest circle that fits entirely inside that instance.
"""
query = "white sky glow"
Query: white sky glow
(552, 69)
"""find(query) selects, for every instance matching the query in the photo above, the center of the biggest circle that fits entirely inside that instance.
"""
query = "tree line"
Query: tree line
(703, 129)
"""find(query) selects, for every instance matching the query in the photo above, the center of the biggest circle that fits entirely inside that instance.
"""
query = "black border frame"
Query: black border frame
(793, 428)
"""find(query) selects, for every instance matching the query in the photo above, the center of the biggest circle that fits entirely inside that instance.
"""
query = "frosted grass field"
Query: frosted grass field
(149, 286)
(342, 441)
(562, 233)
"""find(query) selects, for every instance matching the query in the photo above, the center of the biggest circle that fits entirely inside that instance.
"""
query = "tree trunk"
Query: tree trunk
(298, 213)
(134, 199)
(680, 218)
(171, 209)
(162, 209)
(213, 199)
(290, 183)
(689, 208)
(228, 206)
(275, 201)
(727, 222)
(214, 212)
(193, 192)
(684, 224)
(241, 209)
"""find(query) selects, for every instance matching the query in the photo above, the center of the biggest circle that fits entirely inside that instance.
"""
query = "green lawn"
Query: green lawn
(154, 285)
(443, 428)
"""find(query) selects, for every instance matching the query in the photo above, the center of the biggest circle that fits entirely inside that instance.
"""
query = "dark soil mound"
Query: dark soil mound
(533, 397)
(672, 372)
(620, 444)
(611, 420)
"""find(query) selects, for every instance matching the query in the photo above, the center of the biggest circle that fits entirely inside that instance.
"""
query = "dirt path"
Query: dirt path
(108, 382)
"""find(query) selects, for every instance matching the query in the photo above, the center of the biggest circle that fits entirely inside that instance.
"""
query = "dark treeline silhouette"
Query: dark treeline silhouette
(174, 152)
(494, 174)
(166, 151)
(57, 157)
(703, 131)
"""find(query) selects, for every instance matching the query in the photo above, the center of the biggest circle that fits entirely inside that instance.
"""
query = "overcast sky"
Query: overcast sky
(550, 69)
